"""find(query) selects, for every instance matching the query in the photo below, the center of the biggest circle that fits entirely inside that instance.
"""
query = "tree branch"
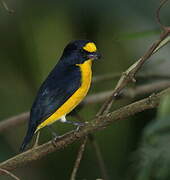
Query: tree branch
(128, 92)
(91, 99)
(129, 75)
(95, 125)
(110, 76)
(10, 11)
(99, 157)
(97, 151)
(78, 159)
(162, 3)
(103, 118)
(3, 171)
(13, 121)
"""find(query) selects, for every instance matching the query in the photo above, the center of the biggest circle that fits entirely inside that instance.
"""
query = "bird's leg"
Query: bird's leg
(55, 136)
(37, 139)
(77, 124)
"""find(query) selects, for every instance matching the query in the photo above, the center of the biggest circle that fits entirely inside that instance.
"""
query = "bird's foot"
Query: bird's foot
(55, 138)
(53, 133)
(80, 125)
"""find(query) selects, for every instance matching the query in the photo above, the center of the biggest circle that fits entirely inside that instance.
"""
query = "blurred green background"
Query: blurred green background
(32, 40)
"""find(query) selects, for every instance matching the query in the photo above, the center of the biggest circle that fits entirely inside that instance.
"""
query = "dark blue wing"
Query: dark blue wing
(61, 84)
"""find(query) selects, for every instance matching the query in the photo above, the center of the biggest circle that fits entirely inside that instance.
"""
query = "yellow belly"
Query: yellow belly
(76, 98)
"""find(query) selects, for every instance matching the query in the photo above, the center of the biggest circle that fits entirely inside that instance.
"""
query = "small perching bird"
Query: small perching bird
(65, 87)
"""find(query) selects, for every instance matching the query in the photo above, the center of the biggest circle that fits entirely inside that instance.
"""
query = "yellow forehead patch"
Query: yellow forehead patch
(90, 47)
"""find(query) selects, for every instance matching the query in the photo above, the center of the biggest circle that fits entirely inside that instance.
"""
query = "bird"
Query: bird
(64, 88)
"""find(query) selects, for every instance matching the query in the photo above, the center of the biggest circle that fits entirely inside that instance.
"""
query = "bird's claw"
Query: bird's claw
(55, 139)
(80, 125)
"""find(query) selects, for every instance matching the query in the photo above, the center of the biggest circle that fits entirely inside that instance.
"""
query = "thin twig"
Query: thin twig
(80, 152)
(93, 126)
(10, 11)
(128, 92)
(129, 75)
(111, 76)
(78, 159)
(145, 89)
(99, 157)
(162, 3)
(14, 121)
(96, 147)
(104, 77)
(8, 173)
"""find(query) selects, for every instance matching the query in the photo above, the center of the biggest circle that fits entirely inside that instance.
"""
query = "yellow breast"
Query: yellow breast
(76, 98)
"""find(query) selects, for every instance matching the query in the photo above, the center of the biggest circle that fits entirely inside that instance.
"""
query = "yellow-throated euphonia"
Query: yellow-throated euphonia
(64, 88)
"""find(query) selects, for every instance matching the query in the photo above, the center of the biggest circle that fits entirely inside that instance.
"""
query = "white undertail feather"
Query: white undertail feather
(63, 119)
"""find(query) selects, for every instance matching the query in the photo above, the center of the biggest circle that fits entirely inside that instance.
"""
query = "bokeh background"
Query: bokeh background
(32, 40)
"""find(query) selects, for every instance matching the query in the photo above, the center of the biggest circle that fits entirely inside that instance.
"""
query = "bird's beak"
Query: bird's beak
(94, 56)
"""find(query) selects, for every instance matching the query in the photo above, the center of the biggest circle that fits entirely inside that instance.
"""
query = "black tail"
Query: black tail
(27, 139)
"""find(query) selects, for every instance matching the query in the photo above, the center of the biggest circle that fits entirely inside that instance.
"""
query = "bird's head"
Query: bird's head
(79, 51)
